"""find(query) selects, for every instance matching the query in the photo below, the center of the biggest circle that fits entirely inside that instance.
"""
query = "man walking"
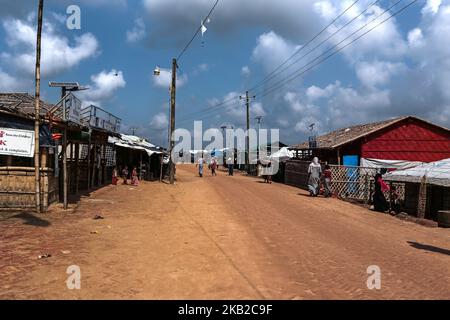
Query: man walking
(200, 164)
(230, 164)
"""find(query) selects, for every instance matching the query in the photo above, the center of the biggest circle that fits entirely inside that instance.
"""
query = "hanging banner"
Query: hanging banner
(15, 142)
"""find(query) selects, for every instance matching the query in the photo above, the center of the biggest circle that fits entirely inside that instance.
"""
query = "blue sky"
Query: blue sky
(402, 67)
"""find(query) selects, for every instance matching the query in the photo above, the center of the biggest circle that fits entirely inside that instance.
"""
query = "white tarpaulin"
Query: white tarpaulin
(14, 142)
(282, 154)
(437, 173)
(135, 143)
(388, 164)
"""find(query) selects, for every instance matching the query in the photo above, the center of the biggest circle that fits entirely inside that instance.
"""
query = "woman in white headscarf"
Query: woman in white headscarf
(314, 171)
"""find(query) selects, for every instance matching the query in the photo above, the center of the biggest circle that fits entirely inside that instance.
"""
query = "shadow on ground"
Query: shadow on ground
(32, 220)
(429, 248)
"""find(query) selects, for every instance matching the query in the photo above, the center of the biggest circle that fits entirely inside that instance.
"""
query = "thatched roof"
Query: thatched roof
(22, 104)
(346, 135)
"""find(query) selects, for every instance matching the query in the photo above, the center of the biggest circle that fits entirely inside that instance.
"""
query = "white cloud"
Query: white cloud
(245, 71)
(138, 32)
(271, 50)
(9, 83)
(415, 38)
(104, 86)
(432, 7)
(58, 55)
(377, 73)
(160, 121)
(164, 79)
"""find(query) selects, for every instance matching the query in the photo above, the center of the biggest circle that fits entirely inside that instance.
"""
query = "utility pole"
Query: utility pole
(173, 89)
(247, 138)
(37, 173)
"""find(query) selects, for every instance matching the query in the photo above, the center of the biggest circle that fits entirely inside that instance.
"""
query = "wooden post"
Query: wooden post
(94, 150)
(339, 156)
(77, 167)
(140, 168)
(45, 178)
(64, 155)
(422, 202)
(37, 108)
(161, 169)
(89, 162)
(71, 167)
(104, 164)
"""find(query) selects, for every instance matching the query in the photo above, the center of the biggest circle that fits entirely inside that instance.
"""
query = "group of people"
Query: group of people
(212, 165)
(125, 175)
(380, 203)
(317, 178)
(320, 182)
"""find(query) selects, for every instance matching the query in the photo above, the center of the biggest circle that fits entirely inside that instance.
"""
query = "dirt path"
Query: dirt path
(220, 238)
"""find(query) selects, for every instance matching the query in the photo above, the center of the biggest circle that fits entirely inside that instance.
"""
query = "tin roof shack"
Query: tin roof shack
(17, 189)
(99, 158)
(386, 144)
(133, 151)
(427, 188)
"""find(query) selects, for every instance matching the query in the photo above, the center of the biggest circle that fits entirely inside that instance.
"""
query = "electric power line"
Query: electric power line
(298, 72)
(305, 45)
(276, 72)
(216, 107)
(197, 31)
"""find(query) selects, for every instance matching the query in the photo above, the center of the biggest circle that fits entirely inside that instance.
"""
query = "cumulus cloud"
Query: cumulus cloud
(245, 71)
(138, 32)
(103, 88)
(9, 83)
(377, 73)
(58, 54)
(159, 121)
(164, 79)
(272, 49)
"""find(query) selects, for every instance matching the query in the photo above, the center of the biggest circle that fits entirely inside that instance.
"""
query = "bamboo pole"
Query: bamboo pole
(37, 173)
(77, 167)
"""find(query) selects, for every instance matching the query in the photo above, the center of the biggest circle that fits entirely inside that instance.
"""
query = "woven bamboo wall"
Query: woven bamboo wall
(17, 187)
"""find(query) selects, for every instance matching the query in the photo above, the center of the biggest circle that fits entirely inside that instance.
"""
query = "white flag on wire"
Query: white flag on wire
(204, 29)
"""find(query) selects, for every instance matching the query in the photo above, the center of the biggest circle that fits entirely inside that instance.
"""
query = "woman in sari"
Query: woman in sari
(134, 177)
(314, 171)
(379, 200)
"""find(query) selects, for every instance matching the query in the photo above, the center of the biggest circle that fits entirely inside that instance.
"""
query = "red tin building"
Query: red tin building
(396, 141)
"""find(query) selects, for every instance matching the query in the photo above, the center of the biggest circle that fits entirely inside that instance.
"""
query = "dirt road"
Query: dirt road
(220, 238)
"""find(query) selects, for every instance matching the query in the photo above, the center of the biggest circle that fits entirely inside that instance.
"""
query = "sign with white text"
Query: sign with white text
(15, 142)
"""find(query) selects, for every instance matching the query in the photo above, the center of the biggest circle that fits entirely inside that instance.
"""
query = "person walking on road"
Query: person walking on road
(327, 181)
(315, 172)
(200, 164)
(230, 164)
(213, 166)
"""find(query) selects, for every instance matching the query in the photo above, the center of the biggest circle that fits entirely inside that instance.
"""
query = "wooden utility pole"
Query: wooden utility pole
(247, 136)
(173, 89)
(37, 174)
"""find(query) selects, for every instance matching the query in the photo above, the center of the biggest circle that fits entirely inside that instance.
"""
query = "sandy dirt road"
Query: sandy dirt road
(219, 238)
